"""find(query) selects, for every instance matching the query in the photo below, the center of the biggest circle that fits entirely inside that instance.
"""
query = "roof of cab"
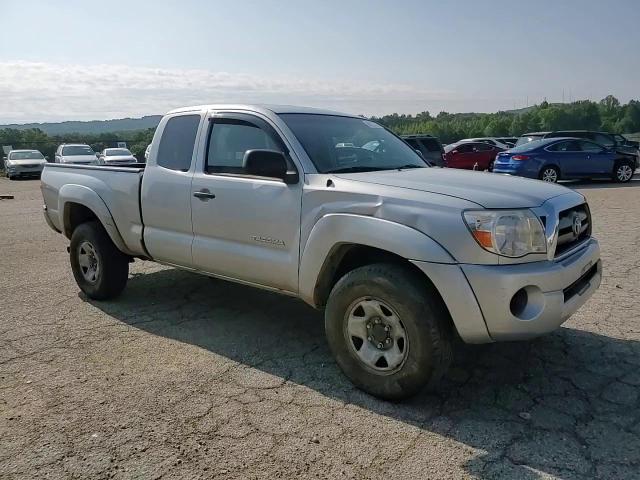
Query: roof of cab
(277, 109)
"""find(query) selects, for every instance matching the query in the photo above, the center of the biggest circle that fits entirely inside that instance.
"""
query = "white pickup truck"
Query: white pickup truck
(342, 213)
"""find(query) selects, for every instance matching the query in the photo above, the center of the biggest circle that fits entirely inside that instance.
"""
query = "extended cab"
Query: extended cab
(399, 255)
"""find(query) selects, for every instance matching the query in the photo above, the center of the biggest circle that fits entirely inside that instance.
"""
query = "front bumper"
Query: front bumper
(22, 171)
(479, 297)
(555, 290)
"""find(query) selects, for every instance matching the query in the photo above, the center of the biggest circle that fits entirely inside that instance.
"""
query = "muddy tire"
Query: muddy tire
(100, 269)
(388, 330)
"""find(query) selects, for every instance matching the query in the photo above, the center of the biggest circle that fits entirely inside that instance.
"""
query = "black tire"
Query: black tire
(490, 167)
(111, 277)
(543, 170)
(422, 313)
(621, 171)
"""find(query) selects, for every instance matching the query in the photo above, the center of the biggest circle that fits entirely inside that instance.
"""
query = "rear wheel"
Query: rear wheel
(389, 331)
(623, 172)
(100, 269)
(549, 174)
(490, 168)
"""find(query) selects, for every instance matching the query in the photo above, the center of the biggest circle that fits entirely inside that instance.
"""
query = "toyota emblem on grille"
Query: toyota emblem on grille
(576, 225)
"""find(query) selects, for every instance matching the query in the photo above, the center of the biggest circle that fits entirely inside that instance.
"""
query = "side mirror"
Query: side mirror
(268, 163)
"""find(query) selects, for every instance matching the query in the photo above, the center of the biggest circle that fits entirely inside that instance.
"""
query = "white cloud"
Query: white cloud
(54, 92)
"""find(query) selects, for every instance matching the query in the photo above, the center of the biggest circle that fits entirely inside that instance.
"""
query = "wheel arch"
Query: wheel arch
(363, 240)
(79, 204)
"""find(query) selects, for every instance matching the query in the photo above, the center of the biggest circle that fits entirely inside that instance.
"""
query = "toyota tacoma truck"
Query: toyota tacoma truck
(402, 257)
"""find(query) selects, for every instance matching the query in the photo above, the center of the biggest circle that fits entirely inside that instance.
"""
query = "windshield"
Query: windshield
(526, 139)
(117, 151)
(77, 150)
(32, 155)
(347, 144)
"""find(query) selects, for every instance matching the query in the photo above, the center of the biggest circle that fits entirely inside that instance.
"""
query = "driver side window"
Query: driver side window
(229, 140)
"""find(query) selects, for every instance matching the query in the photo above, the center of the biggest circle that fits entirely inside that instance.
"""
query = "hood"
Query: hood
(28, 161)
(489, 190)
(79, 158)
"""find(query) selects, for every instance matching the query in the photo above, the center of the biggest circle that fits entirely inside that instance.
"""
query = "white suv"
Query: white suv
(77, 153)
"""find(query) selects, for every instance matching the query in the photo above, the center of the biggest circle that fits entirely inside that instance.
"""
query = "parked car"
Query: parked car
(490, 140)
(402, 257)
(607, 140)
(429, 146)
(621, 140)
(111, 156)
(471, 155)
(552, 159)
(24, 163)
(77, 153)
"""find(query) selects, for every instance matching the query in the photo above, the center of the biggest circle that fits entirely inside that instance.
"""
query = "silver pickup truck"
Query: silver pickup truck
(340, 212)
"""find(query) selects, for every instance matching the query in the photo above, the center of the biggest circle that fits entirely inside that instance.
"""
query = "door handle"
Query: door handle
(204, 195)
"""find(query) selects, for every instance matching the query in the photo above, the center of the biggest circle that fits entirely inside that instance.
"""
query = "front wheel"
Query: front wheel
(623, 172)
(549, 174)
(100, 269)
(388, 330)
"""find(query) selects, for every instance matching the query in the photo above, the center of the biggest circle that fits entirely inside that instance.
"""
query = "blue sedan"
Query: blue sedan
(552, 159)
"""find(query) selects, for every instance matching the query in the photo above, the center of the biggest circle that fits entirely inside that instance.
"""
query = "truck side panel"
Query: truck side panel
(111, 193)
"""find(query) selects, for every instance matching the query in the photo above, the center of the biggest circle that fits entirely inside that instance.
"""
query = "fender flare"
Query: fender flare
(88, 198)
(335, 229)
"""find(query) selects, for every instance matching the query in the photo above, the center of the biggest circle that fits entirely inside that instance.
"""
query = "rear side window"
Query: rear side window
(482, 147)
(177, 142)
(431, 144)
(464, 148)
(566, 146)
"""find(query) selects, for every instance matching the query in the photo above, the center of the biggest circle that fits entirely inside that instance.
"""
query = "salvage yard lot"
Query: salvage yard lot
(184, 377)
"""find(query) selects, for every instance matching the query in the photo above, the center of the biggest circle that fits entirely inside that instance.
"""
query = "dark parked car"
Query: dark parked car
(470, 155)
(429, 146)
(552, 159)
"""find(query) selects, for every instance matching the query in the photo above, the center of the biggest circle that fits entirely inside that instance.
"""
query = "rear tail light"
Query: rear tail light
(520, 157)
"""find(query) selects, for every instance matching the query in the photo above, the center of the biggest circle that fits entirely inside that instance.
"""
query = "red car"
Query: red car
(471, 155)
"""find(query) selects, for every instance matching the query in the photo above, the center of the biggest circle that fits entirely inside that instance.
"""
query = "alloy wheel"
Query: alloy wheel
(550, 175)
(624, 173)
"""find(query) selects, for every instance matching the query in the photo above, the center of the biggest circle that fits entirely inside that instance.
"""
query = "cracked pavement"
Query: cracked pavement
(188, 377)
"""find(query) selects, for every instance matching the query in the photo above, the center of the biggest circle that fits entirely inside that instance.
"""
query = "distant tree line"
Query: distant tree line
(606, 115)
(35, 138)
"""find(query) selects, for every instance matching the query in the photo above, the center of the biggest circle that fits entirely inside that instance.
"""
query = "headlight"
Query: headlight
(512, 233)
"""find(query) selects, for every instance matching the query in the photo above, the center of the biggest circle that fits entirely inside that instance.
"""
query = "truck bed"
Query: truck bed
(111, 192)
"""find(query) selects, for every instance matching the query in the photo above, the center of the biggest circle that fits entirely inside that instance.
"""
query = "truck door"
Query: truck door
(166, 191)
(245, 227)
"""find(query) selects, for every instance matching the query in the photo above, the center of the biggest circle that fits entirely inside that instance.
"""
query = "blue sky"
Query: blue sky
(106, 59)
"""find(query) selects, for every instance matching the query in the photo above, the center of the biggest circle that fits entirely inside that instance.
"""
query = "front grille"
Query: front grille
(569, 235)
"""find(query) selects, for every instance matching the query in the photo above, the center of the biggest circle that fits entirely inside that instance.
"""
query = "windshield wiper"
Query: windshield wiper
(355, 169)
(372, 169)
